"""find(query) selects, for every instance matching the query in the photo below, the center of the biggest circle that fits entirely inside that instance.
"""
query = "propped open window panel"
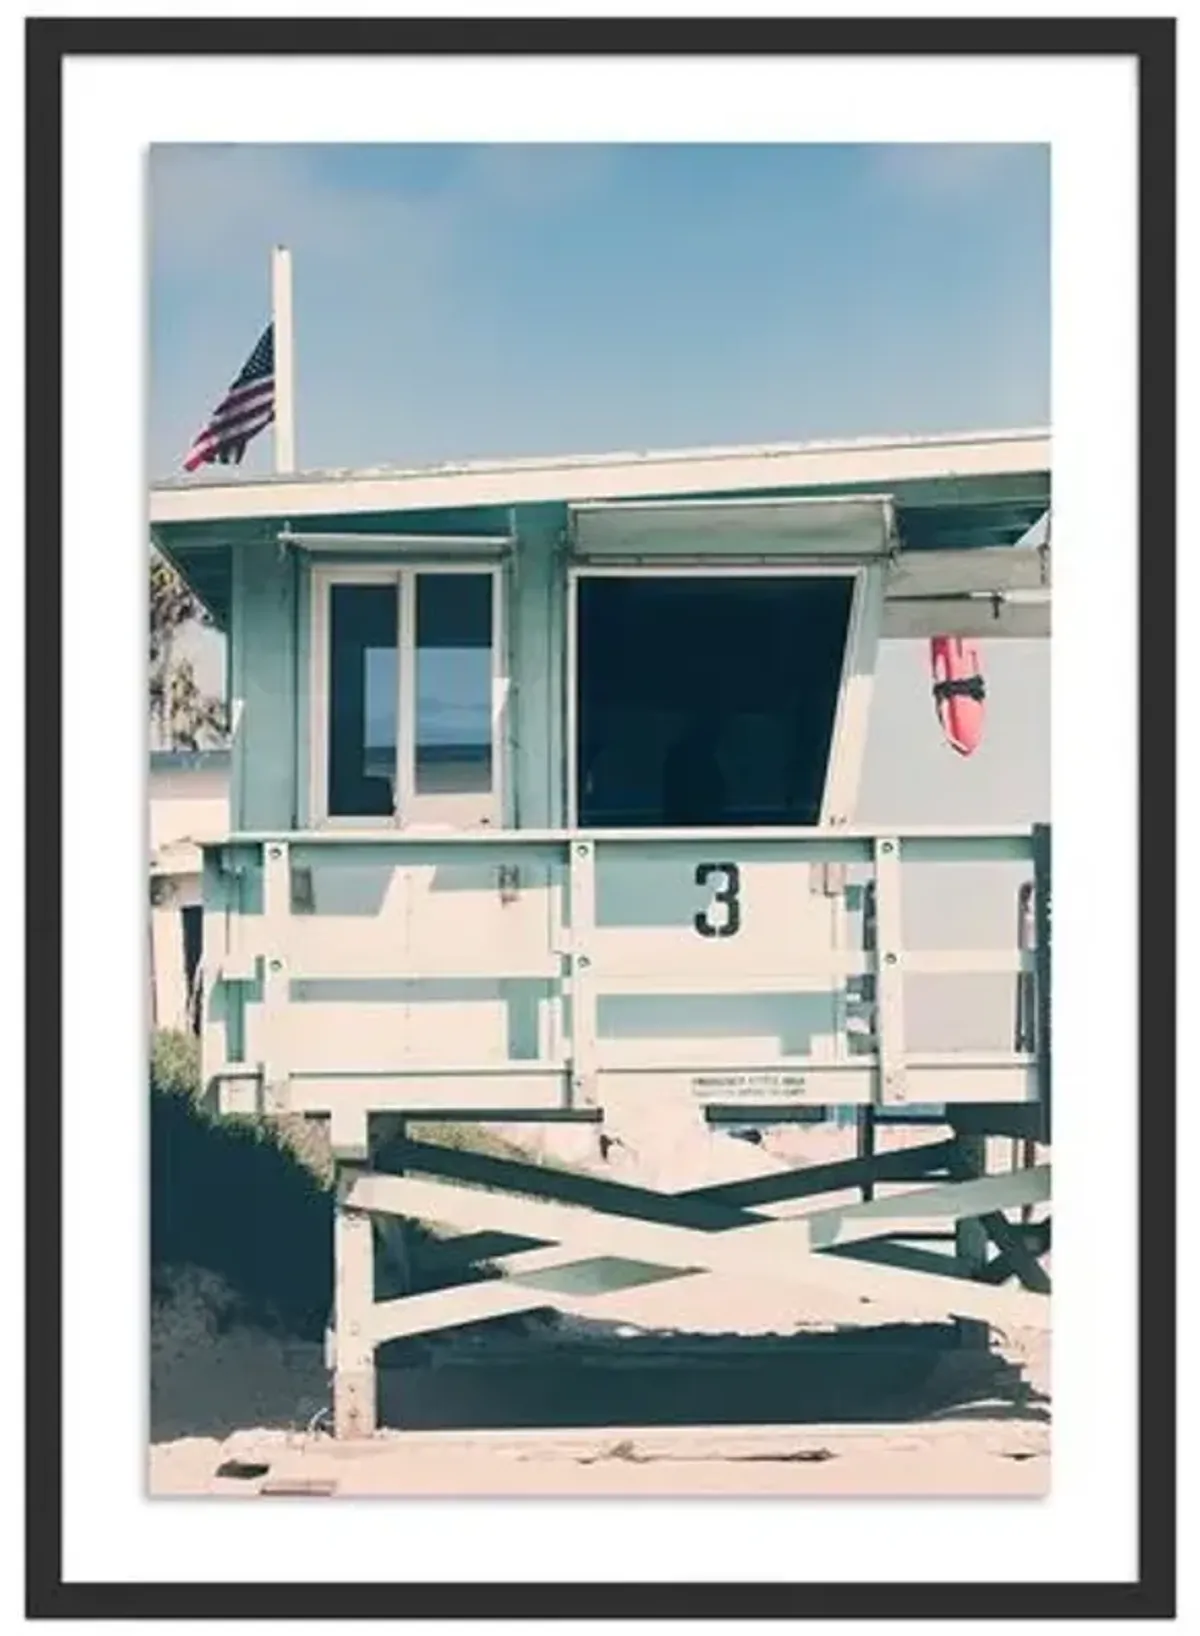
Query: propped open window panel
(857, 528)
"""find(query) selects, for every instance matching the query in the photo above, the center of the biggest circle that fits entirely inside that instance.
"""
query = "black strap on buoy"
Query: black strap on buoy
(962, 687)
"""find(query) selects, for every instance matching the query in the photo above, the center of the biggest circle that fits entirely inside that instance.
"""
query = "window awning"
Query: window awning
(340, 542)
(856, 528)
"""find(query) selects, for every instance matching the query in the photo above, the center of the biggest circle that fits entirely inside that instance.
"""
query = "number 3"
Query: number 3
(727, 898)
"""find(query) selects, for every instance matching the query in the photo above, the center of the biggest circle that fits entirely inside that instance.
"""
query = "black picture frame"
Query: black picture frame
(1150, 41)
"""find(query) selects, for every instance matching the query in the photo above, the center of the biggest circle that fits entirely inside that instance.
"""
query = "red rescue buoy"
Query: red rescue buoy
(958, 691)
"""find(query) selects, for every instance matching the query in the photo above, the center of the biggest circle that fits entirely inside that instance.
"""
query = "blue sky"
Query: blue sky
(455, 302)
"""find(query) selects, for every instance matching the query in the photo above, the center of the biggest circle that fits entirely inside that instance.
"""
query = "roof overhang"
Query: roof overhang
(876, 465)
(949, 516)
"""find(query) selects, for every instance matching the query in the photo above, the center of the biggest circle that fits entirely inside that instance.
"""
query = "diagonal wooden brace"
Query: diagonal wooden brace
(777, 1251)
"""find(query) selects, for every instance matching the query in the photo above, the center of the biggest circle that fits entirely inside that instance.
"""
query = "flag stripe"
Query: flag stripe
(242, 393)
(208, 448)
(238, 428)
(247, 407)
(231, 409)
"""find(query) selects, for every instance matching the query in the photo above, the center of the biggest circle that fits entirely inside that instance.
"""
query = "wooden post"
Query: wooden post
(582, 877)
(276, 900)
(354, 1385)
(1042, 925)
(392, 1262)
(865, 1116)
(866, 1148)
(1023, 1150)
(970, 1238)
(889, 974)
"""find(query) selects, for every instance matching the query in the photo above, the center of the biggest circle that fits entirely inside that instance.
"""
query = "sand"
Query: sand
(960, 1420)
(906, 1460)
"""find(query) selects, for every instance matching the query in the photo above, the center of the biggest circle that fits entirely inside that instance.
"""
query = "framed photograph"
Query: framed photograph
(605, 581)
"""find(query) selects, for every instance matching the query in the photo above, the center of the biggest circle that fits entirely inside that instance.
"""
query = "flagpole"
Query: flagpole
(285, 405)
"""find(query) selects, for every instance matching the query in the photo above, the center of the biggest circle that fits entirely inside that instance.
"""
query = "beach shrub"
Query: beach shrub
(231, 1196)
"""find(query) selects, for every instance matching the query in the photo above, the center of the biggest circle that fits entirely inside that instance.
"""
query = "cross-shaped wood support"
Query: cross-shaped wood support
(541, 1227)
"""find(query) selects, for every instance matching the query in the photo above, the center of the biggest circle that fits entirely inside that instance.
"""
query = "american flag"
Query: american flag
(246, 408)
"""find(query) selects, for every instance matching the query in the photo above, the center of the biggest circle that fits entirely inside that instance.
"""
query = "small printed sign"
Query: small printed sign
(759, 1087)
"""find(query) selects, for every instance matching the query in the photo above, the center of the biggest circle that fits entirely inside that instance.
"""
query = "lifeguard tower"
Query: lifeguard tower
(543, 794)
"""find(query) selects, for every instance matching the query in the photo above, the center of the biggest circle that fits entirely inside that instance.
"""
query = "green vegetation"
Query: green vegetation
(232, 1196)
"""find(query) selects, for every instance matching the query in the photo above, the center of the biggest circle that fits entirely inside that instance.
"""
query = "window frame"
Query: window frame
(414, 811)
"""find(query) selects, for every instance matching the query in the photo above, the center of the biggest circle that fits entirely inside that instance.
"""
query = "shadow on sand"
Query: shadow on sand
(595, 1376)
(213, 1380)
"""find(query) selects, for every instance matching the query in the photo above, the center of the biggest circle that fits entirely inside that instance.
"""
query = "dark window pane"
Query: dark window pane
(362, 700)
(454, 684)
(707, 702)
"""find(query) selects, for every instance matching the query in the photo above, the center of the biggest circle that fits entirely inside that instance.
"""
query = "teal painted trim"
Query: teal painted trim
(508, 590)
(536, 625)
(558, 680)
(484, 520)
(236, 694)
(266, 657)
(303, 684)
(207, 570)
